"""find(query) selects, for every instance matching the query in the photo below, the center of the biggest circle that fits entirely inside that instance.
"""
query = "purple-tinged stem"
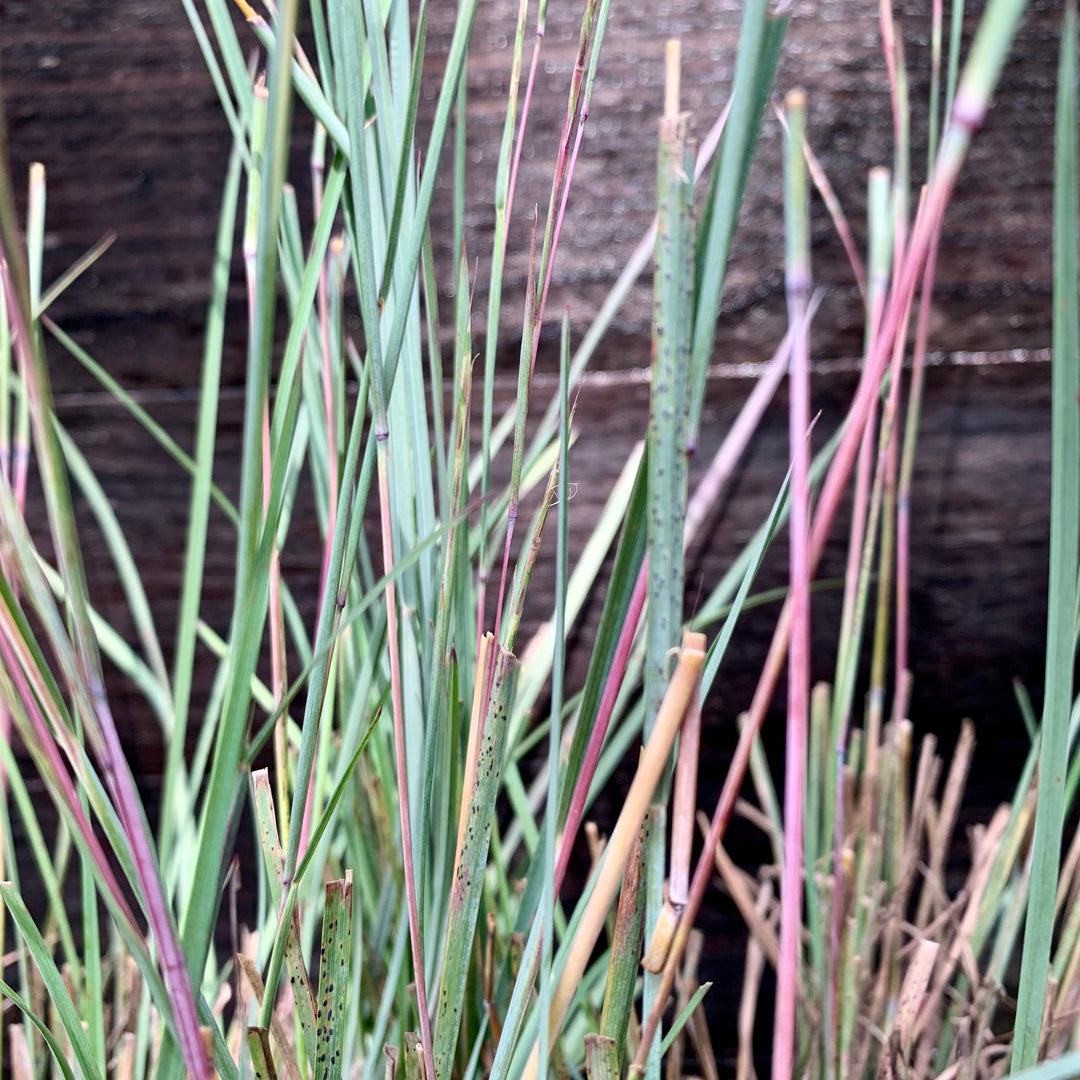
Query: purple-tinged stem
(61, 777)
(99, 720)
(903, 502)
(798, 288)
(563, 173)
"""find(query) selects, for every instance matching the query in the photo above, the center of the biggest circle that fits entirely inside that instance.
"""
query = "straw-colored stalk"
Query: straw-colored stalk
(654, 759)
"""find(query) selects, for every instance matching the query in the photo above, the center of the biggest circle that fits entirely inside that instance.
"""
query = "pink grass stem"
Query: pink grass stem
(15, 465)
(800, 573)
(903, 503)
(47, 746)
(564, 198)
(797, 713)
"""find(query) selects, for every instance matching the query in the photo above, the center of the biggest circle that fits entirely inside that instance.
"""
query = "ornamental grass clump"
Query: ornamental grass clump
(410, 917)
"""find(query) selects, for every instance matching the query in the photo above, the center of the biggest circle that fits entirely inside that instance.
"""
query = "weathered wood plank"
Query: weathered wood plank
(114, 99)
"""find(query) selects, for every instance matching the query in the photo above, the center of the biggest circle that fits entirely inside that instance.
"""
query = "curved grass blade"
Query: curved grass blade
(54, 982)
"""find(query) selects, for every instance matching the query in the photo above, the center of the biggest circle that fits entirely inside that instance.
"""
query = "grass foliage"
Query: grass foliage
(409, 920)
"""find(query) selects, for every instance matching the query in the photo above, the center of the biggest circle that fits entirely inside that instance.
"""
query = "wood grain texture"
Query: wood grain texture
(114, 98)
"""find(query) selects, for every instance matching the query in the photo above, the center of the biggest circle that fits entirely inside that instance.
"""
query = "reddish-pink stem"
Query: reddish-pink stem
(610, 695)
(903, 503)
(48, 748)
(798, 688)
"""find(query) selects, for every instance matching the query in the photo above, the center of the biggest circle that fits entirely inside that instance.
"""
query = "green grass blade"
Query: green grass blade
(626, 946)
(251, 593)
(1066, 1067)
(150, 425)
(274, 861)
(59, 1053)
(35, 839)
(684, 1017)
(760, 38)
(601, 1058)
(123, 560)
(468, 881)
(1064, 552)
(667, 490)
(334, 978)
(262, 1058)
(199, 504)
(74, 272)
(54, 983)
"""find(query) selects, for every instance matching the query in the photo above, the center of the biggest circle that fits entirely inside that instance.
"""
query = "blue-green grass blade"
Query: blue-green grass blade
(307, 89)
(283, 420)
(251, 594)
(405, 150)
(1064, 552)
(409, 255)
(558, 693)
(123, 560)
(760, 39)
(667, 469)
(667, 483)
(199, 503)
(227, 41)
(235, 66)
(440, 749)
